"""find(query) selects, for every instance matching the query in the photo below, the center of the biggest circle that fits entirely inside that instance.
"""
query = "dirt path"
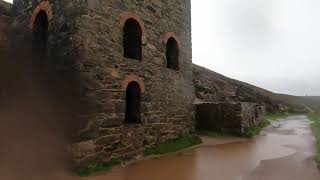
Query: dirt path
(297, 165)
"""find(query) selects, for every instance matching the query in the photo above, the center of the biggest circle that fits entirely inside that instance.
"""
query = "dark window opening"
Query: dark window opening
(132, 40)
(257, 112)
(40, 33)
(172, 54)
(133, 98)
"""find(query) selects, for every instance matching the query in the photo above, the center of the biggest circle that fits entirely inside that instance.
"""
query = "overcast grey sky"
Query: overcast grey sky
(274, 44)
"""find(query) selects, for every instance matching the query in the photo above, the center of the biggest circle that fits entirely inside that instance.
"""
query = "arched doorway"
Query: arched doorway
(133, 103)
(40, 33)
(132, 39)
(172, 54)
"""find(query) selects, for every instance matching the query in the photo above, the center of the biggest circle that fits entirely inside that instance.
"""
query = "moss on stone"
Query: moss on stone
(174, 145)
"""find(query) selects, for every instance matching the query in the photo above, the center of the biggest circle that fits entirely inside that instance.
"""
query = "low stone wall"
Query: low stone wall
(228, 117)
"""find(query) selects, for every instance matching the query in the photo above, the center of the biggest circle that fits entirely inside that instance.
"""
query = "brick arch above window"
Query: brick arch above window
(169, 35)
(130, 15)
(133, 78)
(42, 6)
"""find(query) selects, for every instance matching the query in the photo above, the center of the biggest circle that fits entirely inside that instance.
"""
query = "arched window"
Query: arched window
(132, 39)
(172, 54)
(133, 98)
(40, 32)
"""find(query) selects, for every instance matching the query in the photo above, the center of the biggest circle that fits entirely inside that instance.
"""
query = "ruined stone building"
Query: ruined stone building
(229, 117)
(134, 63)
(129, 66)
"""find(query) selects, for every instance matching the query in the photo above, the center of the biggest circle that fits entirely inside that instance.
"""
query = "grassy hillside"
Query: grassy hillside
(214, 87)
(312, 102)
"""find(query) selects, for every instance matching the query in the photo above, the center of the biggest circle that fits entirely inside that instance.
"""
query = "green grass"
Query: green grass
(256, 130)
(99, 168)
(168, 147)
(315, 118)
(279, 115)
(174, 145)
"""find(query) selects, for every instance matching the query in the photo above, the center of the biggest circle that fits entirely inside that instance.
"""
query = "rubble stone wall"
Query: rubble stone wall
(249, 114)
(219, 117)
(228, 117)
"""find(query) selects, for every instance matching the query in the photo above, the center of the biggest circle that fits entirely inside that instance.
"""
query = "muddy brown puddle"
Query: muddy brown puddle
(284, 151)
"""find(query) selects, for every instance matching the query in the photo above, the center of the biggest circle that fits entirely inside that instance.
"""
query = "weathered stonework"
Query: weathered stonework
(5, 25)
(90, 34)
(228, 117)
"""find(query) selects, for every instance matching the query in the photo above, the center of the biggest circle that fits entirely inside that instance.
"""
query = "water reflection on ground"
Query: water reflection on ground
(284, 151)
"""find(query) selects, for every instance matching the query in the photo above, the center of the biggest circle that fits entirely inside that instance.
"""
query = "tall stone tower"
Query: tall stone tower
(135, 64)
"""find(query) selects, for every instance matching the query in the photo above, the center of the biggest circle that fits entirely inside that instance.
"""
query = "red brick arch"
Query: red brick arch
(130, 15)
(133, 78)
(169, 35)
(42, 6)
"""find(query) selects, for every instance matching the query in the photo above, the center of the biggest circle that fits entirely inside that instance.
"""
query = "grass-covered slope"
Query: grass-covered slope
(214, 87)
(315, 118)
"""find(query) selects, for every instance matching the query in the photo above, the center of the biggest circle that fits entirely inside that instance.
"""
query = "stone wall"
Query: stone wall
(167, 100)
(87, 37)
(5, 25)
(62, 16)
(251, 114)
(261, 113)
(228, 117)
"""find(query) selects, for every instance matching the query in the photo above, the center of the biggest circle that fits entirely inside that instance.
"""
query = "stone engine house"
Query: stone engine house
(135, 59)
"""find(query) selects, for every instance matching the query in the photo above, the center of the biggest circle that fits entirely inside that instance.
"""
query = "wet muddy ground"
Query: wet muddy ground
(284, 151)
